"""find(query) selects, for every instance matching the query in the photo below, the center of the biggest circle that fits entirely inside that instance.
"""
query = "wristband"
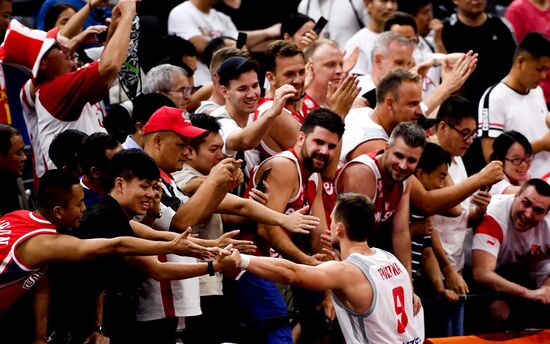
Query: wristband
(245, 261)
(211, 271)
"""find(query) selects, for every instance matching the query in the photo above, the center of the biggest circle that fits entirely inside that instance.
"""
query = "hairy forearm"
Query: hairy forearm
(281, 243)
(494, 281)
(275, 269)
(177, 271)
(251, 136)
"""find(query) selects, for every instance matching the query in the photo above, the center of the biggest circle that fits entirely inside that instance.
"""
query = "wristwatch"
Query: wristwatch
(154, 214)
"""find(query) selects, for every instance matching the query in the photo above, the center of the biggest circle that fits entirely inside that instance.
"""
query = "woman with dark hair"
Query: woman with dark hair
(516, 154)
(58, 15)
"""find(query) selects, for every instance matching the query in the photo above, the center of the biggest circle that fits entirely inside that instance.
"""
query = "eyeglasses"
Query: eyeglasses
(465, 136)
(186, 91)
(518, 161)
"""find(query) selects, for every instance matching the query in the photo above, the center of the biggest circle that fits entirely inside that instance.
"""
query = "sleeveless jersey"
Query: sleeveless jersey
(304, 196)
(390, 318)
(15, 277)
(387, 195)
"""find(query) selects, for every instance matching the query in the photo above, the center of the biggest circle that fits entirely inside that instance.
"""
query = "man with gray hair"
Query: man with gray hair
(170, 81)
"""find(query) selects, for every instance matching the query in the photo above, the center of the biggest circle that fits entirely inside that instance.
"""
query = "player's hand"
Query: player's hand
(227, 259)
(185, 247)
(96, 338)
(280, 97)
(540, 295)
(455, 282)
(481, 200)
(222, 173)
(417, 304)
(300, 222)
(450, 295)
(308, 37)
(340, 99)
(245, 246)
(330, 252)
(328, 306)
(259, 196)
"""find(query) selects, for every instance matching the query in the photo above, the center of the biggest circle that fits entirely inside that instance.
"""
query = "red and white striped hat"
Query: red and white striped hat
(27, 47)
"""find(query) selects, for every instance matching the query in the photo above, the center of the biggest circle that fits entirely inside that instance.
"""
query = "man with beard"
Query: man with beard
(240, 87)
(67, 98)
(294, 182)
(381, 176)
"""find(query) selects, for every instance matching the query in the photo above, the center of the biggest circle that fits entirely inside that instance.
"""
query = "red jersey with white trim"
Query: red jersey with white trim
(15, 277)
(305, 195)
(72, 101)
(497, 236)
(387, 194)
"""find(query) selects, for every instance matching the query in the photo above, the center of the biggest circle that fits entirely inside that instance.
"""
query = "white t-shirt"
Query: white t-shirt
(187, 21)
(452, 230)
(229, 126)
(525, 113)
(364, 40)
(179, 298)
(497, 236)
(360, 128)
(342, 22)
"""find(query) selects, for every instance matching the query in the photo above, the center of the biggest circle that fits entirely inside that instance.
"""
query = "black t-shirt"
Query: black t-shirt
(76, 286)
(493, 41)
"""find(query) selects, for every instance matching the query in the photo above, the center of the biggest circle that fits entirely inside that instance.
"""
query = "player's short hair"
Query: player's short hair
(534, 44)
(324, 118)
(203, 121)
(412, 134)
(455, 109)
(356, 213)
(389, 85)
(432, 157)
(541, 187)
(312, 47)
(133, 163)
(278, 49)
(54, 189)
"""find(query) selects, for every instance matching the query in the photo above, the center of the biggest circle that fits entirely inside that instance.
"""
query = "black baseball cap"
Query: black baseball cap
(233, 67)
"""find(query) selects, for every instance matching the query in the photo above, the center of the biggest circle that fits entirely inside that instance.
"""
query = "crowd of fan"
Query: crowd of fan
(153, 169)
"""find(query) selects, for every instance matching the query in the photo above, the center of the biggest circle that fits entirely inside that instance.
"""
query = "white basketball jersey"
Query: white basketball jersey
(390, 318)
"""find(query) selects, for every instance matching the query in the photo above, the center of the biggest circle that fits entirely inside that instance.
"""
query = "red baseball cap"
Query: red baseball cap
(171, 119)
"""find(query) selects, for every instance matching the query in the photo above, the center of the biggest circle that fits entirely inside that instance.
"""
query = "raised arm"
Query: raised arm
(440, 200)
(401, 236)
(116, 49)
(251, 135)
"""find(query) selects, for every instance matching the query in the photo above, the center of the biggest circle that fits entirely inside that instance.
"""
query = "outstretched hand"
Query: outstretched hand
(245, 246)
(340, 99)
(300, 222)
(185, 247)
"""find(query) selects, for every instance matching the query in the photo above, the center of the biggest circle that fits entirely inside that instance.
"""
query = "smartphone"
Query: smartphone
(320, 25)
(261, 185)
(102, 37)
(241, 40)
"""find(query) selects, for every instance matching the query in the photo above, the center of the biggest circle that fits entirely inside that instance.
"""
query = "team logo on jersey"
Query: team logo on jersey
(329, 188)
(31, 280)
(308, 103)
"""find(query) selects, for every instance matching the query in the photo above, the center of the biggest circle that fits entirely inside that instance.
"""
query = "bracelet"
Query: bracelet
(211, 271)
(245, 261)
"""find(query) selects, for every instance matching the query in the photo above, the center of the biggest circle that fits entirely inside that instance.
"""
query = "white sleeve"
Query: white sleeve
(182, 24)
(165, 220)
(227, 127)
(492, 119)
